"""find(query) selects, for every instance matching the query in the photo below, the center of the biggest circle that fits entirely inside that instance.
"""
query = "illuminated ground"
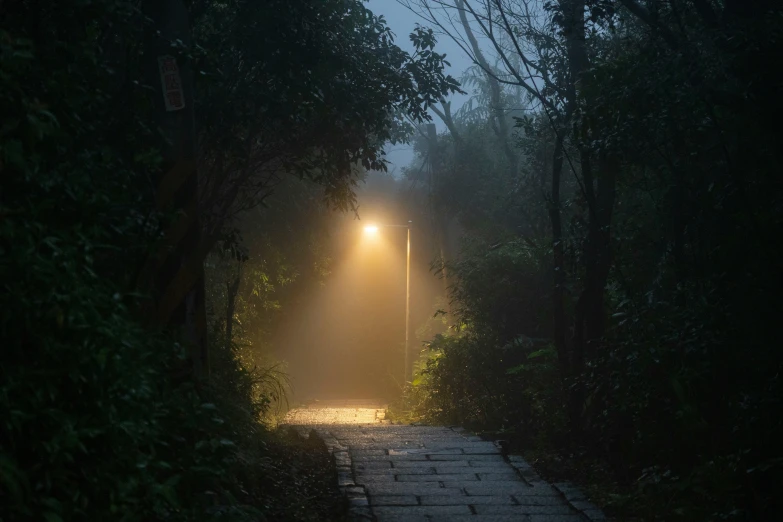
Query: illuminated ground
(337, 412)
(432, 473)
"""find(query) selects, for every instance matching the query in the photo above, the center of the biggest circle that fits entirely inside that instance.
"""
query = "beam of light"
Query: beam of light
(371, 230)
(344, 341)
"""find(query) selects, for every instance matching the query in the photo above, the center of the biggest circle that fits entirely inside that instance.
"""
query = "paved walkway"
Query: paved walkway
(424, 473)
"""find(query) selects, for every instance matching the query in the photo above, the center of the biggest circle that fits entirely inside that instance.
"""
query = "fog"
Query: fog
(347, 339)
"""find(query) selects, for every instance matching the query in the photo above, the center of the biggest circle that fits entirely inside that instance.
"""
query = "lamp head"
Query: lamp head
(371, 230)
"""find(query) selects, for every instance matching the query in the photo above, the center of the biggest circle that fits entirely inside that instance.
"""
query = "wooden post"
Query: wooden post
(170, 75)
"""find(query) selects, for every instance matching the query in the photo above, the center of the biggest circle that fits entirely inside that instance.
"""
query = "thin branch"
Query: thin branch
(643, 14)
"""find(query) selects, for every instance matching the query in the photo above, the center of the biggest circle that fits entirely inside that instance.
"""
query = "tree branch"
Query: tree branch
(643, 14)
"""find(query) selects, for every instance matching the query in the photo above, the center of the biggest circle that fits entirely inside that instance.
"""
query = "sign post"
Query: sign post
(171, 81)
(177, 279)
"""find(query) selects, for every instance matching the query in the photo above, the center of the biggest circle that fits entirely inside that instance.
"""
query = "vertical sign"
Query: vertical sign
(173, 96)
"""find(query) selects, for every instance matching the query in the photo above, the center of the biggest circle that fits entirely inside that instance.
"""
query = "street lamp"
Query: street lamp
(372, 230)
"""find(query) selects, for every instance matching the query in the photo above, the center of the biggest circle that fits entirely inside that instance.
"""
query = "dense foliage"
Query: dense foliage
(102, 416)
(621, 312)
(257, 274)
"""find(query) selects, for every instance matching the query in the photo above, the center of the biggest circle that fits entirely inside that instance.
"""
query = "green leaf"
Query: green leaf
(544, 352)
(52, 517)
(516, 369)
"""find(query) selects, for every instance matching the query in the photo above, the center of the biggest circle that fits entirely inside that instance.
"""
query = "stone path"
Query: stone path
(423, 473)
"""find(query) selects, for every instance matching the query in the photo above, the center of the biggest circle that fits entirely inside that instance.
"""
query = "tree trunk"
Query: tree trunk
(500, 126)
(446, 117)
(599, 258)
(599, 193)
(590, 317)
(440, 209)
(232, 288)
(558, 261)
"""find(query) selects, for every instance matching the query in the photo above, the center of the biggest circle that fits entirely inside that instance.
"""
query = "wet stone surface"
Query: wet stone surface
(429, 473)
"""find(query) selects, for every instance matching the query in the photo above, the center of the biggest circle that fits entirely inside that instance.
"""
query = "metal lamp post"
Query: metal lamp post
(373, 229)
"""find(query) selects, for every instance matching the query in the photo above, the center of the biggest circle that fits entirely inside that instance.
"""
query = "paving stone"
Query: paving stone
(502, 476)
(492, 488)
(481, 460)
(494, 509)
(364, 452)
(395, 500)
(353, 491)
(571, 492)
(360, 514)
(529, 475)
(368, 446)
(409, 488)
(427, 500)
(405, 464)
(512, 488)
(382, 511)
(526, 500)
(425, 451)
(390, 458)
(490, 467)
(411, 473)
(518, 460)
(344, 478)
(452, 470)
(481, 451)
(484, 518)
(437, 478)
(376, 480)
(404, 518)
(372, 465)
(453, 442)
(542, 489)
(472, 458)
(358, 502)
(341, 457)
(399, 471)
(556, 518)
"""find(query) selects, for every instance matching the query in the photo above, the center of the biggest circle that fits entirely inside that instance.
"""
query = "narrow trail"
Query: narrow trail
(432, 473)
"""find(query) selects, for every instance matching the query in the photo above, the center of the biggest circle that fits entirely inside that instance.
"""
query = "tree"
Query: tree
(308, 89)
(83, 213)
(663, 118)
(552, 78)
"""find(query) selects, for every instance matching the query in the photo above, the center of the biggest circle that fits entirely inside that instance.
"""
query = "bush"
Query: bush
(494, 371)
